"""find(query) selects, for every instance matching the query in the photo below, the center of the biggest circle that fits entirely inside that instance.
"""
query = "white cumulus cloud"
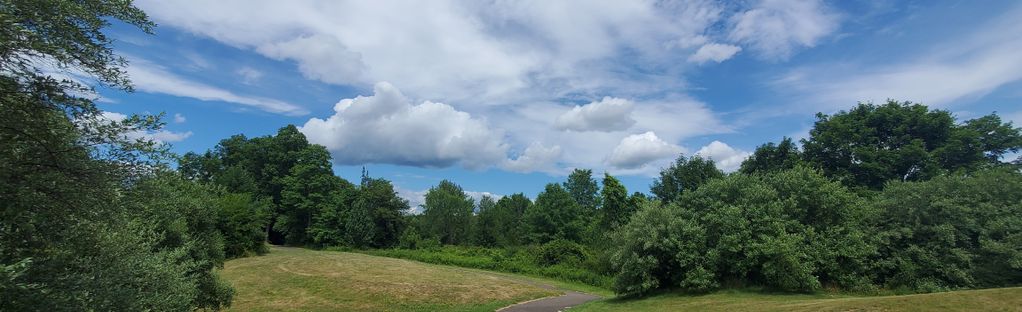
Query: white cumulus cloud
(387, 127)
(178, 118)
(608, 114)
(726, 157)
(536, 157)
(637, 150)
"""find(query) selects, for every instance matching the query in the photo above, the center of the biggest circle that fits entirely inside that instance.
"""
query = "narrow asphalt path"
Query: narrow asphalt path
(551, 304)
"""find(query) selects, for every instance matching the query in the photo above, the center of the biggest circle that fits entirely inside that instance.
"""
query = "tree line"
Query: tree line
(895, 196)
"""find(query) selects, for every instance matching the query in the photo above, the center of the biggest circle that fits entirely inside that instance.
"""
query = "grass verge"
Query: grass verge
(999, 299)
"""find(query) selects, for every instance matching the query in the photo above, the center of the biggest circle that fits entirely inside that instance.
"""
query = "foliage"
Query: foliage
(521, 260)
(685, 174)
(583, 189)
(508, 220)
(793, 230)
(659, 248)
(386, 209)
(358, 225)
(872, 144)
(562, 252)
(770, 157)
(555, 215)
(447, 213)
(484, 226)
(76, 231)
(616, 207)
(185, 215)
(242, 222)
(952, 232)
(309, 188)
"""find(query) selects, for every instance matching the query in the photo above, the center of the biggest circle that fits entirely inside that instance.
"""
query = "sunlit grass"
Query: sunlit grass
(297, 279)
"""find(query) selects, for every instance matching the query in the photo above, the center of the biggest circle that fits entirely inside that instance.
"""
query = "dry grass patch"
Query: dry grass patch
(307, 280)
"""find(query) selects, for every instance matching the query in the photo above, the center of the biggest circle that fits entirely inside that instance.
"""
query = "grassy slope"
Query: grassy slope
(307, 280)
(1001, 299)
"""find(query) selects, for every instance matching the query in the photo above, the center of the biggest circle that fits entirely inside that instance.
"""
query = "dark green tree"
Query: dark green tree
(385, 208)
(901, 141)
(329, 223)
(447, 213)
(508, 215)
(772, 157)
(951, 232)
(186, 216)
(584, 189)
(555, 215)
(242, 222)
(307, 189)
(685, 174)
(486, 226)
(67, 241)
(616, 207)
(358, 223)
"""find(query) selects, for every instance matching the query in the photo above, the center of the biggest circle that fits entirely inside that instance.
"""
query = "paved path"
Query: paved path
(551, 304)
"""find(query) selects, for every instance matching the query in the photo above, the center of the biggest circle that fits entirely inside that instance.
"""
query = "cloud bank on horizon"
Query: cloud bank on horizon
(539, 86)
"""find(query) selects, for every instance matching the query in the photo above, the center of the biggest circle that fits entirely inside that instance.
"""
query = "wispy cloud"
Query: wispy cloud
(148, 77)
(962, 67)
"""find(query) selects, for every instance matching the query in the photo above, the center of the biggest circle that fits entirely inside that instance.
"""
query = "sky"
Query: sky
(503, 97)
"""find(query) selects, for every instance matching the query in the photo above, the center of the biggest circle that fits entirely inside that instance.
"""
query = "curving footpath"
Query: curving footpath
(551, 304)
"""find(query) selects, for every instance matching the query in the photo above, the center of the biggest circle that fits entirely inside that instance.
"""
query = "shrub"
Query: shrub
(660, 247)
(562, 251)
(791, 230)
(952, 232)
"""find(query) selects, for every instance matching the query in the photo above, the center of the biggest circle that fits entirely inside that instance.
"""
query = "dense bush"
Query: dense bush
(952, 232)
(242, 221)
(185, 216)
(792, 230)
(660, 247)
(522, 260)
(562, 252)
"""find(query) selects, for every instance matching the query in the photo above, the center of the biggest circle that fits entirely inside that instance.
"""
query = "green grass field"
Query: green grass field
(296, 279)
(1001, 299)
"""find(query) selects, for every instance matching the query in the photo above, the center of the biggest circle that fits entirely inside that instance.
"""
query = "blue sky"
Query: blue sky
(504, 97)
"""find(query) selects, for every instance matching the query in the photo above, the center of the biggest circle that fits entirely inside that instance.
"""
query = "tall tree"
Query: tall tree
(447, 213)
(67, 241)
(872, 144)
(486, 224)
(772, 157)
(309, 187)
(616, 208)
(508, 228)
(385, 208)
(583, 189)
(555, 215)
(685, 174)
(358, 226)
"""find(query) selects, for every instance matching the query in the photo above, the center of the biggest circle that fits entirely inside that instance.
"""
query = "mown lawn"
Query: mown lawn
(296, 279)
(1000, 299)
